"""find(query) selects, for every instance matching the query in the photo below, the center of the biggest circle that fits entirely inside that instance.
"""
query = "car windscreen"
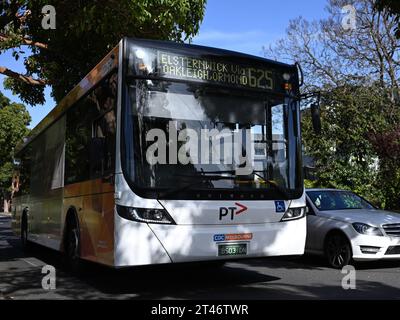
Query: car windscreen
(337, 200)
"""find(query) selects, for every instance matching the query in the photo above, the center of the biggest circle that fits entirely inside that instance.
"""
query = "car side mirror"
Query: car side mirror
(316, 117)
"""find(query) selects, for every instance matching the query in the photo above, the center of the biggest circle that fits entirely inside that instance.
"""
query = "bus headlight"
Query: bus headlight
(294, 213)
(145, 215)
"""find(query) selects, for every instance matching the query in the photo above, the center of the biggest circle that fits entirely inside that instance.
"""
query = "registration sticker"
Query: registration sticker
(233, 237)
(232, 249)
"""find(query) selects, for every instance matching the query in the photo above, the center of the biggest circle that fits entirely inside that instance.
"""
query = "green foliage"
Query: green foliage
(29, 94)
(6, 171)
(87, 30)
(310, 184)
(387, 144)
(357, 71)
(393, 6)
(14, 119)
(344, 156)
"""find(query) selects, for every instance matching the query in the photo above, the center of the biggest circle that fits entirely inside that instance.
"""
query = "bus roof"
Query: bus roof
(199, 48)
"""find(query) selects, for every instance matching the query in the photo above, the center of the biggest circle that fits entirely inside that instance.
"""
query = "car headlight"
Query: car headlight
(294, 213)
(160, 216)
(367, 229)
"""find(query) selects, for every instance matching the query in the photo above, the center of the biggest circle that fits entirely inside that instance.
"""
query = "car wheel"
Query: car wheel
(338, 251)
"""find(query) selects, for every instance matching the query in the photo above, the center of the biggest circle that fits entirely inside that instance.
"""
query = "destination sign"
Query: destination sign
(178, 66)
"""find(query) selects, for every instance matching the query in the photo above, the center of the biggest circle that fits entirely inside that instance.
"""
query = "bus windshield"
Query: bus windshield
(204, 140)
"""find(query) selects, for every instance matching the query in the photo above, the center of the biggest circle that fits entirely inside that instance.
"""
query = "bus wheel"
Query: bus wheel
(72, 248)
(26, 245)
(338, 250)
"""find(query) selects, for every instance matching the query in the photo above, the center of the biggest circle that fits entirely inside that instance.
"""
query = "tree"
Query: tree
(344, 156)
(332, 55)
(357, 71)
(387, 146)
(85, 32)
(393, 6)
(14, 119)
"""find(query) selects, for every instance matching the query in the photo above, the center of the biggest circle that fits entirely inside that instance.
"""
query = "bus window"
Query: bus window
(90, 126)
(22, 174)
(102, 154)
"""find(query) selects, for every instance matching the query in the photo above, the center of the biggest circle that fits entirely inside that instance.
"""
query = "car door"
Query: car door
(312, 223)
(317, 227)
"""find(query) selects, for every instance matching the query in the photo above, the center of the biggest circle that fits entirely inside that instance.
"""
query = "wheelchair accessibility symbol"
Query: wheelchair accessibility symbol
(280, 206)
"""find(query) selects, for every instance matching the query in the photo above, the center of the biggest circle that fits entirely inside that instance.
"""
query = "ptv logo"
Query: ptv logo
(231, 211)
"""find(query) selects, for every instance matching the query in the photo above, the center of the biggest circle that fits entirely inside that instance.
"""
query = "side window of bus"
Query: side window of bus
(21, 177)
(78, 136)
(102, 149)
(102, 153)
(91, 132)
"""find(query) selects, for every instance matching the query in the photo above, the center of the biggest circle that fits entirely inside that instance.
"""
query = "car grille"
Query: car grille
(393, 250)
(392, 230)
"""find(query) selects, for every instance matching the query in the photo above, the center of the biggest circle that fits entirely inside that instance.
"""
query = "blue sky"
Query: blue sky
(238, 25)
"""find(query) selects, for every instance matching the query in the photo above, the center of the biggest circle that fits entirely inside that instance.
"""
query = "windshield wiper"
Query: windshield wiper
(256, 173)
(203, 179)
(278, 188)
(208, 176)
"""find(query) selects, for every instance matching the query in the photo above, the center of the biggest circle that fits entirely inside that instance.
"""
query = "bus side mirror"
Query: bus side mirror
(316, 118)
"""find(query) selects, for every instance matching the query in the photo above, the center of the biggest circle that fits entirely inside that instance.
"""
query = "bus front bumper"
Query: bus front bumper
(141, 244)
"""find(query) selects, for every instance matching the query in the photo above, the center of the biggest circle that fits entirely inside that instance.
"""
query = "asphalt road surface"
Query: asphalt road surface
(269, 278)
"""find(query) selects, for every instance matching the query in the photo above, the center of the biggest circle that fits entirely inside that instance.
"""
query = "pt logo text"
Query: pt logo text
(231, 211)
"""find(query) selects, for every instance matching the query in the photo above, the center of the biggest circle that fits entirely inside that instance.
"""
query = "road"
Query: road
(269, 278)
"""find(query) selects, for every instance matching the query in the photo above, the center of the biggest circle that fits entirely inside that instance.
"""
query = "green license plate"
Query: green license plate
(232, 249)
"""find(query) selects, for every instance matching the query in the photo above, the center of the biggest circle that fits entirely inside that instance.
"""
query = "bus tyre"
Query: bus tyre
(26, 245)
(73, 248)
(338, 250)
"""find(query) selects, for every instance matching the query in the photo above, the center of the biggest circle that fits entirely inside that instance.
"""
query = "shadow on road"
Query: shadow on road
(152, 282)
(249, 279)
(301, 262)
(313, 262)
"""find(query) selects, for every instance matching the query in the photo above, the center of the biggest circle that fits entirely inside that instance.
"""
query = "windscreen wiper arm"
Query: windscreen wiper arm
(271, 183)
(203, 179)
(256, 173)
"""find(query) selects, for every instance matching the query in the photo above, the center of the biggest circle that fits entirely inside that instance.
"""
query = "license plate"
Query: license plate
(232, 249)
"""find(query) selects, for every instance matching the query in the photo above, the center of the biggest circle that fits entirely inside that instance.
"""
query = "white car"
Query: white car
(344, 227)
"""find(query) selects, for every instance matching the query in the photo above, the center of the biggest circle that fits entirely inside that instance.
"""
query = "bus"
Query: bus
(167, 153)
